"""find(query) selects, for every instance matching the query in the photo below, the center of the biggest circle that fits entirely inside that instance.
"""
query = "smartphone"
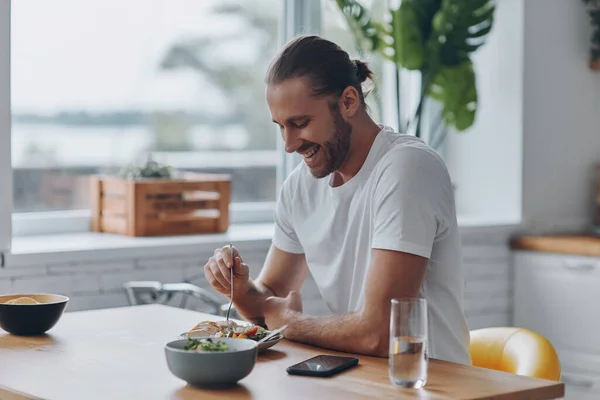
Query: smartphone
(322, 366)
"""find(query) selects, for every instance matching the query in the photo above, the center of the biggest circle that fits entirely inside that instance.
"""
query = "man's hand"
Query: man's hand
(278, 310)
(218, 271)
(282, 272)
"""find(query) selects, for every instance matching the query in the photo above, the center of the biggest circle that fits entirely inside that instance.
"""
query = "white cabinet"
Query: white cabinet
(558, 296)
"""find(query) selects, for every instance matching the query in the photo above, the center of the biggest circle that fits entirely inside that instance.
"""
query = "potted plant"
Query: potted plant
(435, 38)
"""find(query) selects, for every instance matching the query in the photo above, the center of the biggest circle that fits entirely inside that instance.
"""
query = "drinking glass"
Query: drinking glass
(408, 360)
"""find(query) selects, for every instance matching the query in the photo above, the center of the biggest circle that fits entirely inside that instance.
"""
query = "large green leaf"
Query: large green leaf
(367, 33)
(460, 27)
(456, 89)
(408, 40)
(410, 31)
(425, 10)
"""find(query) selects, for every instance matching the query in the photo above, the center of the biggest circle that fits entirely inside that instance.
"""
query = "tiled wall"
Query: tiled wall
(488, 267)
(90, 285)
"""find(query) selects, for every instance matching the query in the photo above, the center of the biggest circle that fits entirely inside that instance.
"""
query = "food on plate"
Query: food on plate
(22, 300)
(210, 328)
(205, 345)
(223, 329)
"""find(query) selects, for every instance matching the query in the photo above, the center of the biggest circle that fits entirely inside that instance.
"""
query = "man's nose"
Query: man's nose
(291, 142)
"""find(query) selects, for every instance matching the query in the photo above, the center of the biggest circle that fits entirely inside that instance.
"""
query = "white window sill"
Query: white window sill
(476, 221)
(86, 246)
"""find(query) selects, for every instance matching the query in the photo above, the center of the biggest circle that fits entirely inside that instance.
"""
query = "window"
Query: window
(5, 172)
(99, 85)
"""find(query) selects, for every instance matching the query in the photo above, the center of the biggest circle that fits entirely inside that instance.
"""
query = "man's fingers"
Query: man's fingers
(216, 271)
(226, 254)
(212, 280)
(295, 301)
(269, 302)
(241, 270)
(226, 272)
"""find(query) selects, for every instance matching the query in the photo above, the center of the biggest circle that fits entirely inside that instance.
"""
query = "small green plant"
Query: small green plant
(150, 170)
(436, 38)
(594, 13)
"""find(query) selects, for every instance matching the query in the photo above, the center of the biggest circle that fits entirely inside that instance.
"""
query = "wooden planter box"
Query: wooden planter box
(196, 203)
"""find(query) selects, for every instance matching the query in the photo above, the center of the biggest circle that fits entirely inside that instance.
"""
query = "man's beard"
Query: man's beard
(335, 151)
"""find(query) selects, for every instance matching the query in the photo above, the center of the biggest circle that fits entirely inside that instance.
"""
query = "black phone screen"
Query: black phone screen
(322, 365)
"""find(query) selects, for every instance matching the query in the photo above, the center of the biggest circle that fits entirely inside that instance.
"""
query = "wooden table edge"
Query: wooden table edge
(11, 394)
(549, 386)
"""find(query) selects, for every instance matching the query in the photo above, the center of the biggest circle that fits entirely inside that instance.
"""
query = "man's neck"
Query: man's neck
(364, 133)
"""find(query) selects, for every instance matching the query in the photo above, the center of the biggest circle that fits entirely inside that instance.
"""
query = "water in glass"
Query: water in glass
(408, 361)
(408, 354)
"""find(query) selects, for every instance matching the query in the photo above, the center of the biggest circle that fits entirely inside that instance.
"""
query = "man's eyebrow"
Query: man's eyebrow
(296, 118)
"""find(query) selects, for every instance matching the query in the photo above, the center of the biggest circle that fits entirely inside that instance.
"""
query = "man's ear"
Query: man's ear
(349, 102)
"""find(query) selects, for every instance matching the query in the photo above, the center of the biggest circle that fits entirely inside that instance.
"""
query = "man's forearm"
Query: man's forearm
(249, 304)
(348, 333)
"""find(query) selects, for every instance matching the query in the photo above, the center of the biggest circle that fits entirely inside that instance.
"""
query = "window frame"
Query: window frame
(299, 17)
(5, 125)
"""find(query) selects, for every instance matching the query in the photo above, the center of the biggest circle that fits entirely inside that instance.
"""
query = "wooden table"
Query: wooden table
(118, 354)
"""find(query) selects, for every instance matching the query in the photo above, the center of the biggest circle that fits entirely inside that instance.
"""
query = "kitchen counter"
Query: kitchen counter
(583, 245)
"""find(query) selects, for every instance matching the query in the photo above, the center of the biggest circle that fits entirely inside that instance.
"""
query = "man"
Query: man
(369, 213)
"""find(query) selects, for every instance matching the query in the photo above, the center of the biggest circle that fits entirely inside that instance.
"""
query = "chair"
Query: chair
(516, 350)
(155, 292)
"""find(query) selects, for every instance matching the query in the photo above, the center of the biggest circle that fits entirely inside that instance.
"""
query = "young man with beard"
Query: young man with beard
(369, 213)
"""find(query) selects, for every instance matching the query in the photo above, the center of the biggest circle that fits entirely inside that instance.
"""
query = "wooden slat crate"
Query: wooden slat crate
(196, 203)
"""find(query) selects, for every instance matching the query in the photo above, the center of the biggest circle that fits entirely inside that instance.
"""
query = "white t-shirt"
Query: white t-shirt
(401, 199)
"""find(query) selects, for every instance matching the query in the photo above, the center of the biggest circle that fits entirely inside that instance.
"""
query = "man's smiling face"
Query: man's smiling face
(310, 126)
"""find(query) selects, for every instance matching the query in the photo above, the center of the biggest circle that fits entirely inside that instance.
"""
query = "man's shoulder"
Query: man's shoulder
(407, 155)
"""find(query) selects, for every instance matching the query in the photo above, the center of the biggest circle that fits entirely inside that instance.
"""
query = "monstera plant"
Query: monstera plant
(436, 38)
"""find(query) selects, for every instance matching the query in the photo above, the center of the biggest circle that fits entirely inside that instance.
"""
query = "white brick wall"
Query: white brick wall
(5, 285)
(93, 284)
(21, 271)
(96, 300)
(488, 269)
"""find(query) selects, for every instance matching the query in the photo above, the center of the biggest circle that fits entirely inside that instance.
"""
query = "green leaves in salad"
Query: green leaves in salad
(205, 345)
(261, 333)
(254, 332)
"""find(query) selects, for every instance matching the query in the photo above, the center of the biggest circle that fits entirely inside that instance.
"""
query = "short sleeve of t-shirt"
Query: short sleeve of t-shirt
(284, 236)
(412, 200)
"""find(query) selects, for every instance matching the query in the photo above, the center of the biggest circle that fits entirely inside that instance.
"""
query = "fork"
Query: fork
(231, 284)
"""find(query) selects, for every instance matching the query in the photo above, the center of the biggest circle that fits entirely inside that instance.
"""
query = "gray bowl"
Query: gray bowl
(212, 369)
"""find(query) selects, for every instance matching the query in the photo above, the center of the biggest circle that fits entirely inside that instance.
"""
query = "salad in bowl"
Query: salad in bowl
(235, 330)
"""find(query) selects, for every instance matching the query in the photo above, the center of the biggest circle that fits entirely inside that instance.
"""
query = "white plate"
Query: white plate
(263, 346)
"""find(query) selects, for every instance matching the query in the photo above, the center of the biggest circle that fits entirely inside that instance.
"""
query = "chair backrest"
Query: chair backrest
(516, 350)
